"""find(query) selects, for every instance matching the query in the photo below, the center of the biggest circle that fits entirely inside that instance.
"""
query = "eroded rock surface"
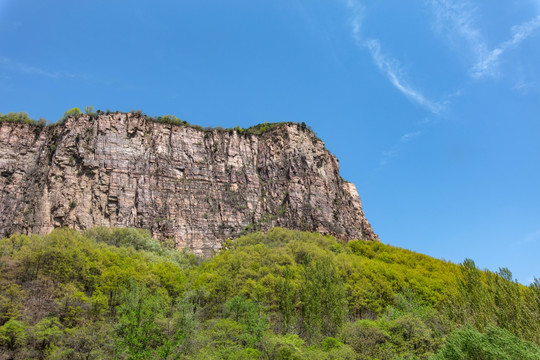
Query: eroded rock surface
(194, 186)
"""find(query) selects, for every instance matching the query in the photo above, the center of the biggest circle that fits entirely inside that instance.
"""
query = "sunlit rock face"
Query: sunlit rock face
(197, 187)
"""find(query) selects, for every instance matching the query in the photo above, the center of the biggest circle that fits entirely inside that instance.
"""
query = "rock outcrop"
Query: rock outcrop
(198, 187)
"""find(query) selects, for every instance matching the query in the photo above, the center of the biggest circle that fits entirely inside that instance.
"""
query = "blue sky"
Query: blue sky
(432, 107)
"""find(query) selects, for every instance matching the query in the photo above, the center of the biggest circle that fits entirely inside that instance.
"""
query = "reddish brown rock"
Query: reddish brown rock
(195, 186)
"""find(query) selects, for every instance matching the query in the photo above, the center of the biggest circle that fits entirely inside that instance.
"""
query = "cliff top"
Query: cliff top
(24, 118)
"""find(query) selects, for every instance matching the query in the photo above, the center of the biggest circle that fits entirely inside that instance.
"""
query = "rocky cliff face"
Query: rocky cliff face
(194, 186)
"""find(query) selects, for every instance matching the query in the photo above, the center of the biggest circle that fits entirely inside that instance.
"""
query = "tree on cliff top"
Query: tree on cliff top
(71, 112)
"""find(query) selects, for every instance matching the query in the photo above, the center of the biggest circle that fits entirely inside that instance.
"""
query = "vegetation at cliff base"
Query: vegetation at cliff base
(118, 293)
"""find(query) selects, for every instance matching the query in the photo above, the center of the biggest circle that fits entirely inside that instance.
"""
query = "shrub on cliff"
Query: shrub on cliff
(71, 112)
(23, 118)
(170, 119)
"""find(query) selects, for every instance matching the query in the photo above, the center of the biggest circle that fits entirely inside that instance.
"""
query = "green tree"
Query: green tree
(247, 313)
(72, 305)
(47, 333)
(137, 331)
(89, 110)
(287, 301)
(98, 305)
(322, 297)
(508, 302)
(468, 343)
(474, 304)
(92, 341)
(531, 312)
(71, 112)
(12, 334)
(369, 340)
(18, 117)
(11, 303)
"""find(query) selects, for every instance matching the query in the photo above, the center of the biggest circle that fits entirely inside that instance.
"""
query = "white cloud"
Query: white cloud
(523, 86)
(456, 20)
(409, 136)
(398, 147)
(531, 237)
(386, 64)
(392, 69)
(488, 65)
(357, 11)
(9, 64)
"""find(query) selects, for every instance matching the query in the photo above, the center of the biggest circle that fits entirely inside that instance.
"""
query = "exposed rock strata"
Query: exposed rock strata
(197, 187)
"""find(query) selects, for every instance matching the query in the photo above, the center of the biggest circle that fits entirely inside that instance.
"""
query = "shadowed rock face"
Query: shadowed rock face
(194, 186)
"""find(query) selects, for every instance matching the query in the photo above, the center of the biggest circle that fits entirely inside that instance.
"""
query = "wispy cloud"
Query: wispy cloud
(392, 69)
(531, 237)
(386, 64)
(522, 85)
(398, 147)
(357, 10)
(456, 20)
(15, 66)
(488, 65)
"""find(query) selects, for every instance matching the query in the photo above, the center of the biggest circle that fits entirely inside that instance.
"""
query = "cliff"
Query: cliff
(198, 187)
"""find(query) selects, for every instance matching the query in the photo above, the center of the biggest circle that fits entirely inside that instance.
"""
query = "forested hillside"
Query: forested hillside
(119, 294)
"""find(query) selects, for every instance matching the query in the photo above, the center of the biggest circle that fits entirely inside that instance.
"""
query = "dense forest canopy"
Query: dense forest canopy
(118, 293)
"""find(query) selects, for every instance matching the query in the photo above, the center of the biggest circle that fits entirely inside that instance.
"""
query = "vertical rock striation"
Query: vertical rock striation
(198, 187)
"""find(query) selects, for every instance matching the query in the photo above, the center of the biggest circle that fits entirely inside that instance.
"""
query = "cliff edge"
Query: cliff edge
(197, 187)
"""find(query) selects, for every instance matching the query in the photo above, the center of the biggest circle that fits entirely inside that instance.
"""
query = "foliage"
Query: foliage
(12, 334)
(119, 293)
(89, 110)
(486, 298)
(71, 112)
(322, 299)
(494, 344)
(170, 119)
(22, 118)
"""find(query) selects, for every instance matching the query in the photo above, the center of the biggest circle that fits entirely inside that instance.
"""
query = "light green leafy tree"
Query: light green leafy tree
(495, 344)
(138, 333)
(12, 334)
(89, 110)
(71, 112)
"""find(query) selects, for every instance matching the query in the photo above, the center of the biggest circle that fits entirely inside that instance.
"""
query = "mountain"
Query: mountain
(97, 289)
(194, 186)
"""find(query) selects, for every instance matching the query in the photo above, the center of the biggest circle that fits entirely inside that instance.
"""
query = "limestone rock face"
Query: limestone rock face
(197, 187)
